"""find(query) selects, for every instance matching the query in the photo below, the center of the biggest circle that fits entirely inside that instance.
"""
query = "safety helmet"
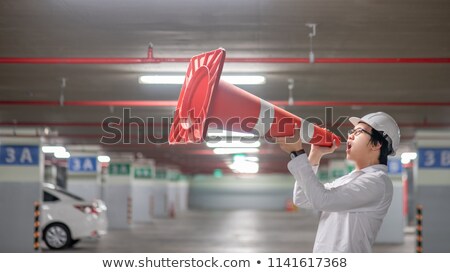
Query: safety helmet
(385, 124)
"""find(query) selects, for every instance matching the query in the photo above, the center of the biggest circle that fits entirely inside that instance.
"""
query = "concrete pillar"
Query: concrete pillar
(182, 194)
(83, 175)
(432, 178)
(21, 175)
(392, 229)
(117, 192)
(177, 191)
(142, 195)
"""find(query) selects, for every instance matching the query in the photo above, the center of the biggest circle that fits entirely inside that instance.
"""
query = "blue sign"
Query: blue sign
(19, 155)
(395, 166)
(82, 164)
(434, 158)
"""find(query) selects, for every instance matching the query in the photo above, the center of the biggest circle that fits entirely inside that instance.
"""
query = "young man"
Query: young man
(353, 206)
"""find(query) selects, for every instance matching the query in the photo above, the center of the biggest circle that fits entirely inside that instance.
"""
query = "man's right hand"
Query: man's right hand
(317, 152)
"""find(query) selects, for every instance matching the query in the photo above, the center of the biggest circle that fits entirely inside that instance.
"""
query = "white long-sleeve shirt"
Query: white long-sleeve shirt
(353, 206)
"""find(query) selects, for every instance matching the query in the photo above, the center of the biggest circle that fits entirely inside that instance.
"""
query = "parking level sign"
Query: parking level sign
(19, 155)
(82, 164)
(434, 158)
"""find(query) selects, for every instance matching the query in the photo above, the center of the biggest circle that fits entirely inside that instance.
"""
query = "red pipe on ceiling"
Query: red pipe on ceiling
(151, 59)
(99, 124)
(173, 103)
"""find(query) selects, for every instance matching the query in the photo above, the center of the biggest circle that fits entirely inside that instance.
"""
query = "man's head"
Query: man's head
(374, 137)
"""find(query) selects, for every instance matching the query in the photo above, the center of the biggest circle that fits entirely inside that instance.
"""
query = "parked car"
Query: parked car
(67, 218)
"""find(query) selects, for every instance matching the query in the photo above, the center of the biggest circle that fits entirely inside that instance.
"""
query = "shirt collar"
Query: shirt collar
(370, 169)
(374, 168)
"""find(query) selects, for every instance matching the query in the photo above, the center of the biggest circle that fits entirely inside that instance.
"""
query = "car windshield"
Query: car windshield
(69, 194)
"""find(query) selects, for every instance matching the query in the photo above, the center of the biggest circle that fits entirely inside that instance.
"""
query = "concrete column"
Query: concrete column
(83, 175)
(21, 175)
(142, 195)
(392, 229)
(177, 191)
(182, 194)
(117, 192)
(432, 177)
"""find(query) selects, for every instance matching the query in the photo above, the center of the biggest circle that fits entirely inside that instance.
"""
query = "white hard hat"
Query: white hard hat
(383, 123)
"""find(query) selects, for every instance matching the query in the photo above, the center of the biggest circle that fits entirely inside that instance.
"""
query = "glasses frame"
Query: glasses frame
(357, 132)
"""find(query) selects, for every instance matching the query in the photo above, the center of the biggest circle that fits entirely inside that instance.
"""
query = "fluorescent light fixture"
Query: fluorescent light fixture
(407, 157)
(244, 167)
(103, 158)
(53, 149)
(227, 151)
(244, 80)
(63, 154)
(233, 144)
(178, 79)
(161, 79)
(405, 160)
(224, 133)
(252, 158)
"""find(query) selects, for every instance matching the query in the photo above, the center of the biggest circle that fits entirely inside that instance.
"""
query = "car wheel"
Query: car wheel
(57, 236)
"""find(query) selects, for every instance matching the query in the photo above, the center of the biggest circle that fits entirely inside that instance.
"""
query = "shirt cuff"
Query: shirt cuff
(301, 161)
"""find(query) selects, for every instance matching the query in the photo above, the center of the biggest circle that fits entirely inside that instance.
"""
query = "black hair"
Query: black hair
(377, 137)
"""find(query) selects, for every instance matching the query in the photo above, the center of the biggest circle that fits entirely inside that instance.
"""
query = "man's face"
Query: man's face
(357, 142)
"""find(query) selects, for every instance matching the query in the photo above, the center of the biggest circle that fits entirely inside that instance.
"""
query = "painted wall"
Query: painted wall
(261, 192)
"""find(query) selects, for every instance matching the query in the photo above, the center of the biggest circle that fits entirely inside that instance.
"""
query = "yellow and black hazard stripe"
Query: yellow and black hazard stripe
(36, 234)
(419, 247)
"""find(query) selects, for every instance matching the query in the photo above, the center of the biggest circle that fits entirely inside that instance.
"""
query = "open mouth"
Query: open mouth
(349, 146)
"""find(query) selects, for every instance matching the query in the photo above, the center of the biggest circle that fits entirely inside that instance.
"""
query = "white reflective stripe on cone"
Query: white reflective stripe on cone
(265, 119)
(306, 131)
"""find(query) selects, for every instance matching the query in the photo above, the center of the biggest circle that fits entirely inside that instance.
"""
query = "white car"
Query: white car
(67, 218)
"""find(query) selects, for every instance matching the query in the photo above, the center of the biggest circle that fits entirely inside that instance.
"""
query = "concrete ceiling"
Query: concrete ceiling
(246, 29)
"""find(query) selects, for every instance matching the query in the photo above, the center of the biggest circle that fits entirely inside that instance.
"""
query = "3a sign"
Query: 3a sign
(434, 158)
(19, 155)
(82, 164)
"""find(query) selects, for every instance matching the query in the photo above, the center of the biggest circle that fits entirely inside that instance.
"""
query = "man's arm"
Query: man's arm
(294, 143)
(299, 197)
(362, 192)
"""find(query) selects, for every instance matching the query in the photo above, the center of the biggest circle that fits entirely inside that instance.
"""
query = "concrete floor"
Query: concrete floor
(222, 231)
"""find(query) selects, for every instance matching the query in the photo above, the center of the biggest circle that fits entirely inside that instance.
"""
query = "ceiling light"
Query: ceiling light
(252, 158)
(407, 157)
(53, 149)
(178, 79)
(244, 167)
(233, 144)
(227, 151)
(224, 133)
(156, 79)
(63, 154)
(103, 158)
(244, 79)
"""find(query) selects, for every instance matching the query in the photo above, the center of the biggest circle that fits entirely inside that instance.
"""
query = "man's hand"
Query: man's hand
(290, 144)
(317, 152)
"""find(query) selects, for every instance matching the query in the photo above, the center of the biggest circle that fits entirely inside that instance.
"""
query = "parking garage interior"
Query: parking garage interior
(90, 93)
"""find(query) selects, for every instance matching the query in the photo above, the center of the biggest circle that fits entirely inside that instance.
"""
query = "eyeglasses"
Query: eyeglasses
(357, 131)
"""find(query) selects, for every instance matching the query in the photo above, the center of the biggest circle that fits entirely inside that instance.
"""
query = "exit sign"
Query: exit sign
(145, 172)
(119, 168)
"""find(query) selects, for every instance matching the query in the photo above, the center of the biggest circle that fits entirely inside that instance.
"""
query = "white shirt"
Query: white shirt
(353, 206)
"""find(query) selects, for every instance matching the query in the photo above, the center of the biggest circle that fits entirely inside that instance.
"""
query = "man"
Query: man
(353, 206)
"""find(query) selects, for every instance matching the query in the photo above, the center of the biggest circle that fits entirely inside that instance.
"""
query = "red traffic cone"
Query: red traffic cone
(205, 100)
